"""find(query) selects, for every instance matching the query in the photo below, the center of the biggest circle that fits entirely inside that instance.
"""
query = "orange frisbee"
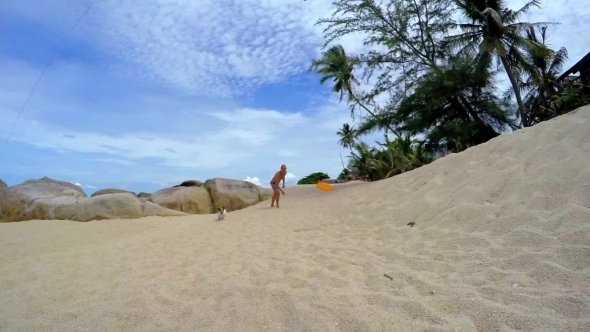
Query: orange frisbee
(324, 186)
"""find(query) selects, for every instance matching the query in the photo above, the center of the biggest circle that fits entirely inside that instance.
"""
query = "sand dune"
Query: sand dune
(501, 243)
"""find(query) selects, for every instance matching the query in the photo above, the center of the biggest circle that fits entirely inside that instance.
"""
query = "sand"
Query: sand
(501, 243)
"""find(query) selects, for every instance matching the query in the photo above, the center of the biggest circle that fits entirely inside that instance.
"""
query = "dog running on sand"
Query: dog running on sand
(222, 213)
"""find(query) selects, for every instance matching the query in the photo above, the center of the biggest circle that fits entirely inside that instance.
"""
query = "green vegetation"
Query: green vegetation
(313, 178)
(439, 78)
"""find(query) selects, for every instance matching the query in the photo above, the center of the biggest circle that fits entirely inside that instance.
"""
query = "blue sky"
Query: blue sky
(145, 94)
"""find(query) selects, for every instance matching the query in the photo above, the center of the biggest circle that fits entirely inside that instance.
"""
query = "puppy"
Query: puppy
(222, 213)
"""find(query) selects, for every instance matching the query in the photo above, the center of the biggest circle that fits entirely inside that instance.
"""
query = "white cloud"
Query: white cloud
(221, 48)
(289, 177)
(239, 139)
(87, 186)
(159, 138)
(225, 48)
(256, 181)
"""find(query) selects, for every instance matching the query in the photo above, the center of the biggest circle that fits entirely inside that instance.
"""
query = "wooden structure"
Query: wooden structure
(582, 68)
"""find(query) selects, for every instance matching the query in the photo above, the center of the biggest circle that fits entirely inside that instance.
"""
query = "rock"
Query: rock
(143, 199)
(37, 199)
(45, 208)
(72, 192)
(153, 209)
(107, 206)
(48, 182)
(195, 200)
(48, 199)
(190, 183)
(144, 194)
(264, 193)
(235, 194)
(3, 184)
(111, 191)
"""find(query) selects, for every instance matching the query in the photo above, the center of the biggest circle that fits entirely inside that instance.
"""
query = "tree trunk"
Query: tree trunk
(470, 109)
(516, 91)
(372, 114)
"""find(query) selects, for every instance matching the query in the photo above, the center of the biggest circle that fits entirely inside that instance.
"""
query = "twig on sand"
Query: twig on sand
(387, 276)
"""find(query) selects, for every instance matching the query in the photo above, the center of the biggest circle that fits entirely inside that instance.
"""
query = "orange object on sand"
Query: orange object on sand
(324, 186)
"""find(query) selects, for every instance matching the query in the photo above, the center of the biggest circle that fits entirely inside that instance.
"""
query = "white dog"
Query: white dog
(221, 214)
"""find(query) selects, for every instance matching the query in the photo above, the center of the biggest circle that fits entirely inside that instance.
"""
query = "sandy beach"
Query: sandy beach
(501, 242)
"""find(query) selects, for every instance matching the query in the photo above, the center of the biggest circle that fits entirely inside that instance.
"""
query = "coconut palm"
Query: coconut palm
(361, 158)
(347, 136)
(335, 65)
(541, 80)
(495, 30)
(456, 103)
(389, 159)
(401, 152)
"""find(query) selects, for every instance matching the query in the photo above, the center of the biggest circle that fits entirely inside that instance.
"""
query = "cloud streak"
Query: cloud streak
(222, 48)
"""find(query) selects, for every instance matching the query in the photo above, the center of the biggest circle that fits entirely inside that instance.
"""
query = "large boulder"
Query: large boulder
(3, 184)
(54, 186)
(153, 209)
(144, 194)
(108, 206)
(112, 206)
(235, 194)
(48, 199)
(195, 200)
(37, 199)
(112, 191)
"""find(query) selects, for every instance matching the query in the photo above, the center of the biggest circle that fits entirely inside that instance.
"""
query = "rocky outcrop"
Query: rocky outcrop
(195, 200)
(112, 206)
(112, 191)
(3, 184)
(51, 185)
(107, 206)
(235, 194)
(37, 199)
(153, 209)
(47, 199)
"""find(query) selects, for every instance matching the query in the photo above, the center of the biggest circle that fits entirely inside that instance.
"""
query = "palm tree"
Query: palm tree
(392, 158)
(335, 65)
(401, 152)
(456, 103)
(541, 82)
(496, 30)
(347, 139)
(361, 160)
(347, 136)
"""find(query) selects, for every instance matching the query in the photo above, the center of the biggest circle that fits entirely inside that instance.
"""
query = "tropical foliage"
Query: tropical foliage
(439, 65)
(313, 178)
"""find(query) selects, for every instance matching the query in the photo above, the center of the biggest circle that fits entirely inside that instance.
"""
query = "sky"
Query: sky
(146, 94)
